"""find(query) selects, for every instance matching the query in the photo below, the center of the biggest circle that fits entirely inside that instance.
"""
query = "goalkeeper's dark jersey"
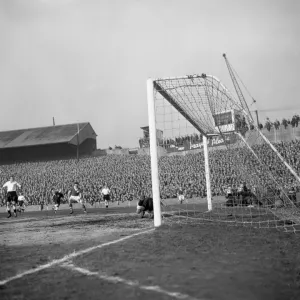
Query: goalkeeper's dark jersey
(147, 203)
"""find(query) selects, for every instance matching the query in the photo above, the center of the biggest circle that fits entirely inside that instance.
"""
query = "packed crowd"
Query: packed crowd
(179, 141)
(129, 175)
(241, 126)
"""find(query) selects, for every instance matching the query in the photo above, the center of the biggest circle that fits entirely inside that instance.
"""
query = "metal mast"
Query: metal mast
(238, 89)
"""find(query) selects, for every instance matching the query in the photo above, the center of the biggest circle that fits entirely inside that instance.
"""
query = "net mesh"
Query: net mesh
(251, 181)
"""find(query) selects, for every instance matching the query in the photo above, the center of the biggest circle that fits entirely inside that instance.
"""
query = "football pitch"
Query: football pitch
(112, 254)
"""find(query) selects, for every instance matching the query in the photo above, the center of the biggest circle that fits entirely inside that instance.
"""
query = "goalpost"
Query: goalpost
(198, 114)
(153, 154)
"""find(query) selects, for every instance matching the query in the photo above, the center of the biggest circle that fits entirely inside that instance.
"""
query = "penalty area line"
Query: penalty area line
(132, 283)
(70, 256)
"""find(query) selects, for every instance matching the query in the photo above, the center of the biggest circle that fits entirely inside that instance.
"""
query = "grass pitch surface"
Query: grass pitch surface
(179, 259)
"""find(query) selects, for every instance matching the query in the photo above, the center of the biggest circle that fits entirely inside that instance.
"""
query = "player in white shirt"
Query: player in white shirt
(180, 195)
(11, 187)
(106, 194)
(21, 203)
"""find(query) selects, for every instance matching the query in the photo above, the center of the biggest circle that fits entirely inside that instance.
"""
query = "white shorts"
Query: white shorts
(76, 199)
(181, 197)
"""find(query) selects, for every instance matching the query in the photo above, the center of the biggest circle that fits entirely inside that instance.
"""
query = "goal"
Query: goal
(213, 151)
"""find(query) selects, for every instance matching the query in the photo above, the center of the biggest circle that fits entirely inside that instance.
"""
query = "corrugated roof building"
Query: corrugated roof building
(44, 143)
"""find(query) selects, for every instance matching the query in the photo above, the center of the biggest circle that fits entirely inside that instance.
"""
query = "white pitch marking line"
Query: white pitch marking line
(134, 283)
(70, 256)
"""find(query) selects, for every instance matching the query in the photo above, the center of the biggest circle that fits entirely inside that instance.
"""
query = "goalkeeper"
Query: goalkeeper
(145, 204)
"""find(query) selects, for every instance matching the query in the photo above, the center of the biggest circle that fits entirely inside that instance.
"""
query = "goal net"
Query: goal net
(210, 162)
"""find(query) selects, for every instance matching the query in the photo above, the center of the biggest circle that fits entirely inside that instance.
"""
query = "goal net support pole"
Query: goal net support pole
(207, 173)
(279, 156)
(153, 154)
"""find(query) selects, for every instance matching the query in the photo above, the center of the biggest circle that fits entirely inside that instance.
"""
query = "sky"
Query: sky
(89, 60)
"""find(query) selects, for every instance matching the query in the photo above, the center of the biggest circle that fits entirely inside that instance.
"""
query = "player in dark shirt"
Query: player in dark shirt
(57, 196)
(145, 204)
(75, 196)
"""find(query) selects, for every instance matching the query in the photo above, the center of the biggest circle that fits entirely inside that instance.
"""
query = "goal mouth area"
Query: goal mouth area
(260, 218)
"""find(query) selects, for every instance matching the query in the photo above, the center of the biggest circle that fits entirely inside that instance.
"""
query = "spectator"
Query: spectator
(128, 176)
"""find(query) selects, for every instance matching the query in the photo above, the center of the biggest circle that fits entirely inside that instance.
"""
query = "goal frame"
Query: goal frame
(154, 153)
(152, 85)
